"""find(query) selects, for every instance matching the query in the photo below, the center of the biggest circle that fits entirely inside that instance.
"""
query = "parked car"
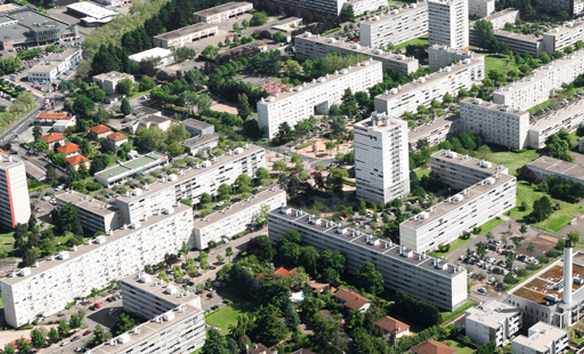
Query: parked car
(79, 349)
(211, 295)
(97, 306)
(67, 342)
(482, 290)
(76, 338)
(86, 333)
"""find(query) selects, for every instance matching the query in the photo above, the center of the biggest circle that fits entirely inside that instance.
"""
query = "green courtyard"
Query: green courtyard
(224, 317)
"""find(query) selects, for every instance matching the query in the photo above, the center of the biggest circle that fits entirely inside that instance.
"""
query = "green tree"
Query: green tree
(210, 51)
(236, 28)
(125, 86)
(74, 321)
(99, 336)
(370, 279)
(269, 327)
(531, 248)
(447, 98)
(262, 219)
(205, 198)
(24, 347)
(279, 166)
(38, 337)
(218, 344)
(259, 18)
(523, 229)
(146, 84)
(291, 316)
(53, 334)
(224, 191)
(126, 109)
(243, 107)
(123, 325)
(229, 253)
(178, 273)
(329, 337)
(37, 131)
(63, 328)
(574, 236)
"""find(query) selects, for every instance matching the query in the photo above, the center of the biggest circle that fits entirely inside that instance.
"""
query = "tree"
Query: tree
(224, 191)
(125, 86)
(259, 18)
(291, 316)
(279, 166)
(99, 336)
(219, 258)
(574, 236)
(531, 248)
(74, 321)
(38, 337)
(370, 279)
(123, 325)
(218, 344)
(229, 253)
(542, 209)
(490, 235)
(268, 326)
(63, 328)
(53, 335)
(210, 51)
(236, 28)
(126, 109)
(37, 131)
(447, 98)
(329, 337)
(523, 229)
(146, 84)
(278, 37)
(178, 274)
(23, 346)
(205, 198)
(481, 250)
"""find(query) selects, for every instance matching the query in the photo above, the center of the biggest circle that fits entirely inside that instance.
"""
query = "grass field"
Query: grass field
(415, 41)
(513, 160)
(498, 62)
(460, 348)
(540, 106)
(422, 172)
(225, 317)
(491, 224)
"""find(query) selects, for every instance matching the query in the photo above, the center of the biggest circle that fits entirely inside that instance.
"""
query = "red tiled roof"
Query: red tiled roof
(352, 299)
(51, 116)
(283, 271)
(392, 325)
(432, 346)
(77, 159)
(49, 138)
(100, 129)
(69, 148)
(117, 136)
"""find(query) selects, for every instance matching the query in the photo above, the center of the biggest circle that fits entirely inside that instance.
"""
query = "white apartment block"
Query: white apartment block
(93, 214)
(448, 23)
(54, 64)
(570, 118)
(546, 166)
(480, 8)
(497, 124)
(561, 37)
(450, 79)
(360, 7)
(316, 97)
(492, 321)
(572, 7)
(435, 131)
(500, 18)
(190, 183)
(519, 42)
(222, 225)
(441, 56)
(312, 46)
(542, 338)
(185, 35)
(382, 165)
(223, 12)
(416, 274)
(14, 201)
(396, 27)
(47, 287)
(535, 89)
(109, 81)
(331, 7)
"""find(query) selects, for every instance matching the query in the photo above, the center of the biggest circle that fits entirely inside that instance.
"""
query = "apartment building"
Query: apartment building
(190, 183)
(561, 37)
(313, 46)
(224, 224)
(500, 18)
(198, 127)
(382, 165)
(316, 97)
(331, 7)
(448, 23)
(435, 131)
(519, 42)
(450, 79)
(185, 35)
(416, 274)
(570, 118)
(535, 89)
(547, 166)
(359, 7)
(120, 172)
(200, 143)
(574, 8)
(492, 321)
(47, 287)
(222, 13)
(396, 27)
(109, 81)
(480, 8)
(441, 56)
(14, 201)
(93, 214)
(497, 124)
(542, 338)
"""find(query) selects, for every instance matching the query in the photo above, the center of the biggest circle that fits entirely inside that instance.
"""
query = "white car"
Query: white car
(67, 342)
(482, 290)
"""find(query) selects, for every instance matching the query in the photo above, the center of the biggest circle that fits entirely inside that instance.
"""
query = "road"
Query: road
(10, 134)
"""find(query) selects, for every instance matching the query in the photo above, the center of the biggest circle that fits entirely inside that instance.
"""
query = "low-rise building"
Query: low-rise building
(99, 131)
(155, 121)
(161, 56)
(258, 348)
(392, 327)
(200, 143)
(117, 138)
(286, 27)
(62, 124)
(198, 127)
(547, 166)
(542, 338)
(569, 118)
(53, 138)
(435, 131)
(93, 214)
(222, 12)
(120, 172)
(492, 321)
(480, 8)
(441, 56)
(69, 150)
(352, 300)
(500, 18)
(54, 64)
(518, 42)
(222, 225)
(185, 35)
(77, 161)
(91, 14)
(109, 81)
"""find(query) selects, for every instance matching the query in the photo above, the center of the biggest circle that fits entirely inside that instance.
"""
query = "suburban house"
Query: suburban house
(99, 131)
(352, 299)
(258, 349)
(320, 287)
(396, 329)
(69, 150)
(77, 161)
(432, 346)
(53, 138)
(118, 138)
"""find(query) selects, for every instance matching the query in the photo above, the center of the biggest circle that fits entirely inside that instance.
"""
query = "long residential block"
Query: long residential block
(93, 214)
(222, 12)
(497, 124)
(569, 118)
(417, 274)
(435, 131)
(14, 201)
(359, 7)
(190, 183)
(500, 18)
(331, 7)
(312, 46)
(47, 287)
(229, 222)
(185, 35)
(574, 8)
(316, 97)
(397, 27)
(450, 79)
(546, 166)
(562, 37)
(492, 321)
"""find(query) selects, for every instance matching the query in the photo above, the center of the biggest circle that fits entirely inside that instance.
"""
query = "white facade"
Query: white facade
(435, 131)
(222, 12)
(229, 222)
(94, 215)
(570, 118)
(448, 23)
(46, 289)
(191, 183)
(542, 338)
(497, 124)
(480, 8)
(331, 7)
(492, 321)
(537, 88)
(312, 46)
(381, 159)
(109, 81)
(14, 201)
(572, 7)
(164, 56)
(500, 18)
(441, 56)
(185, 35)
(450, 79)
(561, 37)
(399, 26)
(416, 274)
(359, 7)
(316, 97)
(51, 66)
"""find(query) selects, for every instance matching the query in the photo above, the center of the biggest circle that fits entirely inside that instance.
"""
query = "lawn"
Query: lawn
(491, 224)
(422, 172)
(498, 62)
(225, 317)
(460, 348)
(540, 106)
(513, 160)
(459, 242)
(449, 316)
(416, 41)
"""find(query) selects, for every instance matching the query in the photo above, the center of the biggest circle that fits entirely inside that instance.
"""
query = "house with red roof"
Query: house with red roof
(396, 329)
(352, 300)
(77, 161)
(53, 138)
(69, 150)
(117, 138)
(278, 271)
(99, 131)
(432, 346)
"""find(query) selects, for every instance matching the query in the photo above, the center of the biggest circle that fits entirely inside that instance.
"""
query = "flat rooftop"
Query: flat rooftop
(377, 246)
(26, 21)
(518, 36)
(379, 122)
(7, 161)
(379, 18)
(186, 31)
(199, 140)
(158, 287)
(491, 313)
(237, 207)
(559, 167)
(90, 246)
(471, 162)
(155, 52)
(112, 75)
(195, 123)
(136, 164)
(91, 10)
(546, 121)
(567, 27)
(145, 110)
(61, 56)
(498, 14)
(494, 107)
(222, 8)
(45, 67)
(543, 335)
(428, 128)
(86, 202)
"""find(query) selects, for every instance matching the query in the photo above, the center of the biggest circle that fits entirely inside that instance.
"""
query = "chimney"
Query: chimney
(568, 275)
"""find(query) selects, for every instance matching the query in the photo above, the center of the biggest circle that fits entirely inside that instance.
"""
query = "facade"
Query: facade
(460, 171)
(331, 7)
(396, 27)
(93, 214)
(392, 327)
(497, 124)
(162, 55)
(198, 127)
(450, 79)
(542, 338)
(191, 183)
(480, 8)
(316, 97)
(416, 274)
(500, 18)
(562, 37)
(24, 26)
(312, 46)
(48, 287)
(359, 7)
(574, 8)
(448, 23)
(581, 144)
(109, 81)
(547, 166)
(99, 131)
(54, 64)
(519, 42)
(570, 118)
(441, 56)
(117, 138)
(435, 131)
(381, 159)
(14, 201)
(185, 35)
(77, 161)
(535, 89)
(222, 12)
(492, 321)
(229, 222)
(120, 172)
(200, 143)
